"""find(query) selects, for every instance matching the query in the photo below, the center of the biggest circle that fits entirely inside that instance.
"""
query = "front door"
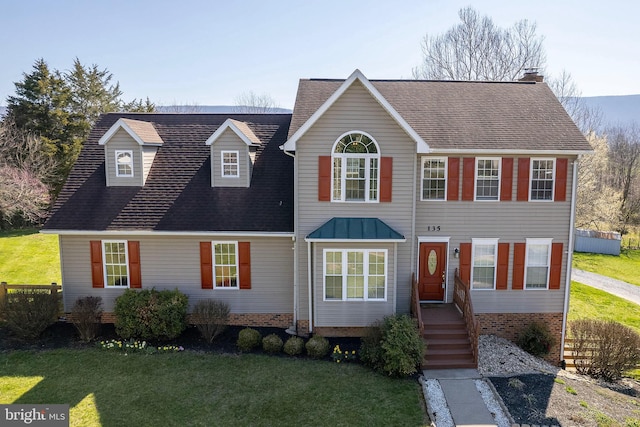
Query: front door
(433, 271)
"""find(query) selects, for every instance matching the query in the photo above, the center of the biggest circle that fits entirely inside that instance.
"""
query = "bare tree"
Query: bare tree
(181, 108)
(251, 102)
(624, 172)
(25, 166)
(586, 118)
(476, 49)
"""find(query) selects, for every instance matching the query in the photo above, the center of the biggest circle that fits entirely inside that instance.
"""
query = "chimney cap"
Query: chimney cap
(531, 75)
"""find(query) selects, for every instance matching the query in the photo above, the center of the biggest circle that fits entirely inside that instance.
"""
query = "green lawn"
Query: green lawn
(197, 389)
(625, 267)
(592, 303)
(29, 257)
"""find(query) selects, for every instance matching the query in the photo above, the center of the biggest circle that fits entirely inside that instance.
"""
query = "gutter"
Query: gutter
(168, 233)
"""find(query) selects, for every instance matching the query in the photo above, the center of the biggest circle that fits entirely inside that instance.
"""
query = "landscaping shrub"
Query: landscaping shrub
(536, 339)
(604, 349)
(150, 314)
(86, 314)
(294, 346)
(317, 347)
(27, 313)
(393, 346)
(272, 344)
(211, 318)
(248, 339)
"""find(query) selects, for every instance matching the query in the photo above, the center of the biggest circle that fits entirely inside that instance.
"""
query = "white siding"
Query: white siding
(121, 140)
(174, 262)
(229, 141)
(148, 155)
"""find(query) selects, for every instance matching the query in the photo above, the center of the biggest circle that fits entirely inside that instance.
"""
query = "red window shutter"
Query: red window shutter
(556, 265)
(386, 178)
(244, 261)
(519, 252)
(503, 266)
(453, 178)
(561, 180)
(97, 274)
(324, 178)
(506, 182)
(206, 266)
(135, 274)
(468, 177)
(465, 262)
(523, 179)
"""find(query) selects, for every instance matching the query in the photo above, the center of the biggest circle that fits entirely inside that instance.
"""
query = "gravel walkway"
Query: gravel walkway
(615, 287)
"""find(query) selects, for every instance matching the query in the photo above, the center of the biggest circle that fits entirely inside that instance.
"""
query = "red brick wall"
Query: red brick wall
(509, 325)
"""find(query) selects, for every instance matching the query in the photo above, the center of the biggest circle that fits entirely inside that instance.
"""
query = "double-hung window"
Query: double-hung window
(356, 160)
(225, 265)
(542, 179)
(124, 163)
(229, 166)
(115, 263)
(537, 263)
(359, 275)
(487, 179)
(484, 261)
(434, 178)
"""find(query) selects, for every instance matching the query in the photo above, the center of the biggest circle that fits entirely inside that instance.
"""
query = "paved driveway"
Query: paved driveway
(615, 287)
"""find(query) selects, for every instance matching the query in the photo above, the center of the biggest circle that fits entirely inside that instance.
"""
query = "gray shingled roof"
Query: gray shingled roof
(177, 195)
(452, 115)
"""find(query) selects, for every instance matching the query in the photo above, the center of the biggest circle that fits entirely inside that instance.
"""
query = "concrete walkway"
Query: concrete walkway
(463, 398)
(615, 287)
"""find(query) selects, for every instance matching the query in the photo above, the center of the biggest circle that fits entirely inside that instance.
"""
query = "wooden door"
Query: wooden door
(433, 271)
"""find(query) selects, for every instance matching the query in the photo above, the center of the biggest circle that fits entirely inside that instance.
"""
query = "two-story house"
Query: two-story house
(316, 221)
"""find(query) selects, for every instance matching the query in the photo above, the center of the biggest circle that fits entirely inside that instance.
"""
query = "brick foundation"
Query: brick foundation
(275, 320)
(341, 332)
(509, 325)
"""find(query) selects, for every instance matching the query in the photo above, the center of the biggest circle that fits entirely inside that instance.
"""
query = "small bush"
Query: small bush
(604, 349)
(248, 339)
(536, 339)
(150, 314)
(394, 346)
(272, 344)
(317, 347)
(86, 315)
(27, 313)
(211, 318)
(294, 346)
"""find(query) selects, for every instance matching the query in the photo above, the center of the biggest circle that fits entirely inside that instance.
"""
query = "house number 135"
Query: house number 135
(433, 228)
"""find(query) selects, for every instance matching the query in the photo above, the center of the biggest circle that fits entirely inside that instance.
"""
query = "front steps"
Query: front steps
(446, 337)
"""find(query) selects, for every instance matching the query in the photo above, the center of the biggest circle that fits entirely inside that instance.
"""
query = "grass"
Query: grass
(592, 303)
(624, 267)
(196, 389)
(29, 257)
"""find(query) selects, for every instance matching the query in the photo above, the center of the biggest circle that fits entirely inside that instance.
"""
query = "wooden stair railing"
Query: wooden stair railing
(462, 298)
(416, 312)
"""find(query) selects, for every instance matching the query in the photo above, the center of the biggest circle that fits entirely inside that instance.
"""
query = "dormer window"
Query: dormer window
(229, 166)
(355, 168)
(124, 163)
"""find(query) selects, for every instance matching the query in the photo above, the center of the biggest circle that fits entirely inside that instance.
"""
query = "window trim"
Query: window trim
(498, 178)
(213, 264)
(553, 180)
(537, 241)
(365, 275)
(104, 263)
(222, 163)
(484, 242)
(122, 175)
(444, 159)
(343, 169)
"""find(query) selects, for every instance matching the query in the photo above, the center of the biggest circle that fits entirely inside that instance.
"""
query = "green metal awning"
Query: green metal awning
(355, 229)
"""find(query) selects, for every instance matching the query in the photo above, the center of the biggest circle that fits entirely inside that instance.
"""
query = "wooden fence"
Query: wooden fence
(53, 289)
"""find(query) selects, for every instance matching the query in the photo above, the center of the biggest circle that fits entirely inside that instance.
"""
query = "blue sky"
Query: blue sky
(209, 52)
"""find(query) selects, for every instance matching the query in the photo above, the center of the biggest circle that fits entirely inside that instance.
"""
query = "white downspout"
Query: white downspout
(294, 328)
(567, 286)
(412, 240)
(309, 280)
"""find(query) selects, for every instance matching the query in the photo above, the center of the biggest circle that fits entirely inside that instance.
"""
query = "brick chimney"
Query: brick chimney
(531, 75)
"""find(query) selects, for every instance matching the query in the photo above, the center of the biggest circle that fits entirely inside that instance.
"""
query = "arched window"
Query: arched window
(356, 160)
